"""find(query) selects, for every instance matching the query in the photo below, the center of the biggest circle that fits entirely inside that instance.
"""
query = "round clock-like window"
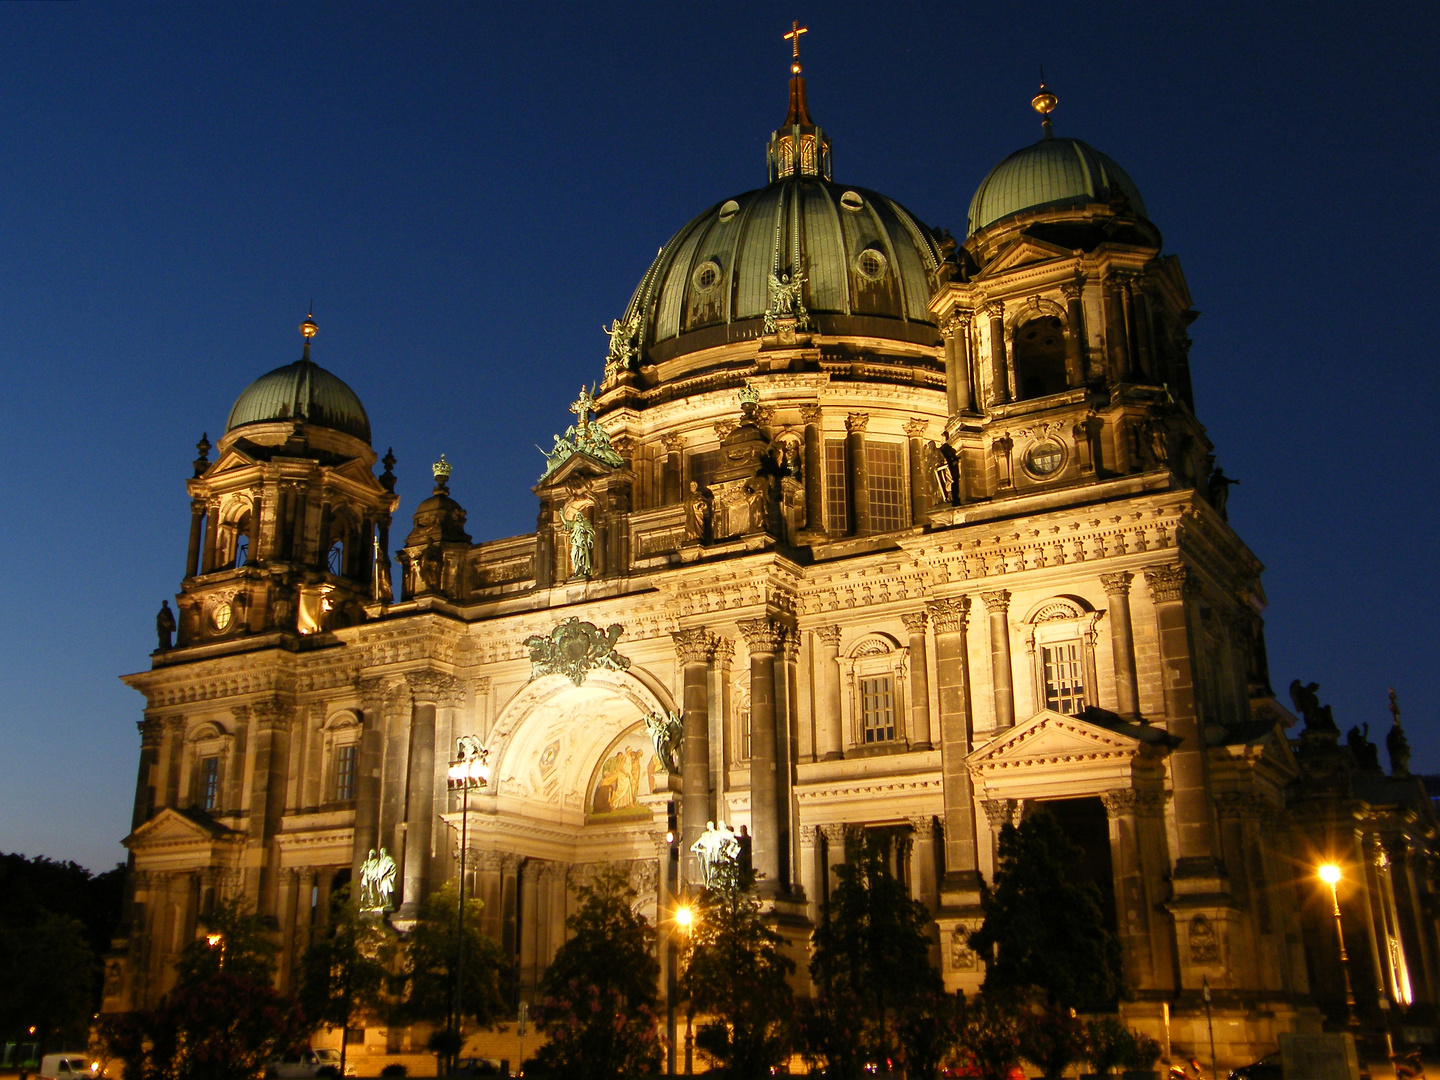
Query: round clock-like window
(1044, 459)
(220, 616)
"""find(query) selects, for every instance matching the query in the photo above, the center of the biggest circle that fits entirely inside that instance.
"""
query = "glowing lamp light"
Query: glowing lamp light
(469, 773)
(1330, 874)
(213, 939)
(684, 917)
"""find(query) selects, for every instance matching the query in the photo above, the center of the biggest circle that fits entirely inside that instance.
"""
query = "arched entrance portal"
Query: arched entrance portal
(575, 786)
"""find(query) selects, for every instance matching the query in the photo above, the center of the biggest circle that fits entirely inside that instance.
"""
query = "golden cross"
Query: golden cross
(794, 37)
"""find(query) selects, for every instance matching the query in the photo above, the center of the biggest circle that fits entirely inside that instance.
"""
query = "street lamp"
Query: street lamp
(468, 770)
(684, 919)
(1330, 874)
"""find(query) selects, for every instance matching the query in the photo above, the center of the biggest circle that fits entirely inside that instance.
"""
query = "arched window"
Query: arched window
(1039, 353)
(335, 558)
(874, 673)
(1061, 641)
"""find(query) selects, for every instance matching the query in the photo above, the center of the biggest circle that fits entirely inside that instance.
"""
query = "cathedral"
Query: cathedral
(862, 530)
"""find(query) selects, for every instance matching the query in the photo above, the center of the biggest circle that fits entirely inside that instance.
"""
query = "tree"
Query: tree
(927, 1030)
(223, 1018)
(873, 944)
(428, 978)
(1052, 1037)
(736, 972)
(220, 1027)
(50, 976)
(990, 1034)
(235, 940)
(1043, 929)
(348, 973)
(597, 1007)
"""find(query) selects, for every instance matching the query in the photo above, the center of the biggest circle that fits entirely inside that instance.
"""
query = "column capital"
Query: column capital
(923, 828)
(152, 729)
(810, 413)
(828, 635)
(673, 442)
(724, 651)
(1117, 584)
(371, 690)
(998, 812)
(431, 687)
(1119, 802)
(693, 646)
(949, 615)
(762, 635)
(855, 422)
(272, 715)
(790, 643)
(997, 602)
(834, 832)
(995, 309)
(955, 322)
(915, 621)
(916, 427)
(1168, 584)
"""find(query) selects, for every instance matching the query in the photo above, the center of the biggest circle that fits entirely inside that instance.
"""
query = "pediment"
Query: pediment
(1050, 737)
(171, 827)
(578, 464)
(1026, 251)
(230, 459)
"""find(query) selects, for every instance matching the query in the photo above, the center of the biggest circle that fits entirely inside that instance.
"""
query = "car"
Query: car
(294, 1065)
(67, 1065)
(1267, 1068)
(330, 1063)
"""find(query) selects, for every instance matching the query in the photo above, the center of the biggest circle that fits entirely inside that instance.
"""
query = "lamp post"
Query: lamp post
(1330, 874)
(468, 770)
(684, 919)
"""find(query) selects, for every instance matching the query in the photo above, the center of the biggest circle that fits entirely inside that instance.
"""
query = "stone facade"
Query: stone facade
(917, 572)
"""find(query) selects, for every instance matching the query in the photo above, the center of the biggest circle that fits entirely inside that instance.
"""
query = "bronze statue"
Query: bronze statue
(1396, 744)
(1367, 755)
(165, 625)
(1318, 718)
(697, 514)
(1219, 491)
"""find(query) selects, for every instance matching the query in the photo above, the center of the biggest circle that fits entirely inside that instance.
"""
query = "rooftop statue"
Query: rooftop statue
(1317, 717)
(786, 302)
(1396, 744)
(164, 624)
(582, 437)
(624, 350)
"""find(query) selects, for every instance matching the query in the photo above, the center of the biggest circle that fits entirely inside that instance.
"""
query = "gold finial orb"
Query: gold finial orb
(1044, 102)
(308, 327)
(795, 68)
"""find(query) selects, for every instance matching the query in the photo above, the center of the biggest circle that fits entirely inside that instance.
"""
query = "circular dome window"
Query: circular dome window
(870, 264)
(1044, 459)
(729, 209)
(852, 201)
(706, 277)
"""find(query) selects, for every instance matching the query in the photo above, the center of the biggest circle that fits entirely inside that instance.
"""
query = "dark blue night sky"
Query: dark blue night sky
(469, 193)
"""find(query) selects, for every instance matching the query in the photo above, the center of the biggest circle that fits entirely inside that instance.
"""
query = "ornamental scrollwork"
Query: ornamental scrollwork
(574, 649)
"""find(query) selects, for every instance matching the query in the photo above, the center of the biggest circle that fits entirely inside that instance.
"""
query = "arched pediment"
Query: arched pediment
(872, 644)
(549, 740)
(1059, 607)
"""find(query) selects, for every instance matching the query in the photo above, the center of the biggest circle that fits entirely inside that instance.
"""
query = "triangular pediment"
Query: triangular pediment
(1050, 736)
(171, 826)
(579, 463)
(1026, 251)
(230, 459)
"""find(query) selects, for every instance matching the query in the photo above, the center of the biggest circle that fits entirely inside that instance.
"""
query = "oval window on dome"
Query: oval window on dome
(870, 264)
(852, 201)
(706, 277)
(729, 209)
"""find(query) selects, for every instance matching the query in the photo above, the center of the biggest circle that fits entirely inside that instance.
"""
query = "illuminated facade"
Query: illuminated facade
(906, 534)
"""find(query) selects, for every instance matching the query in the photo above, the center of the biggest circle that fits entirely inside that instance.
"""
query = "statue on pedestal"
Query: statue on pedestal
(377, 882)
(165, 624)
(718, 850)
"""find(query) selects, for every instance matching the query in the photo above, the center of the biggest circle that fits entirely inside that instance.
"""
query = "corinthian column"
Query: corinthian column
(762, 635)
(693, 649)
(367, 771)
(859, 473)
(921, 737)
(832, 735)
(425, 690)
(1195, 826)
(998, 605)
(952, 677)
(1122, 644)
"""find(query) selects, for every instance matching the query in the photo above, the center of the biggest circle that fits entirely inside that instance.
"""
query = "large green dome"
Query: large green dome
(301, 391)
(1051, 173)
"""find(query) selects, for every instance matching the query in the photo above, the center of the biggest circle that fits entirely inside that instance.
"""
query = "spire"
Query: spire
(308, 329)
(1044, 103)
(799, 146)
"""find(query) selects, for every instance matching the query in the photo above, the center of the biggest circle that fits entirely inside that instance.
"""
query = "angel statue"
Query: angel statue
(786, 300)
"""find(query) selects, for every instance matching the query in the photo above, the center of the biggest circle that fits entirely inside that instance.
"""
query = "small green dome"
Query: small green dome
(301, 391)
(1051, 173)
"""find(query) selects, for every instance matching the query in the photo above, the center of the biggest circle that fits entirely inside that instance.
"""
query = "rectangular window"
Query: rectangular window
(837, 520)
(702, 468)
(884, 466)
(209, 782)
(877, 709)
(345, 772)
(1064, 678)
